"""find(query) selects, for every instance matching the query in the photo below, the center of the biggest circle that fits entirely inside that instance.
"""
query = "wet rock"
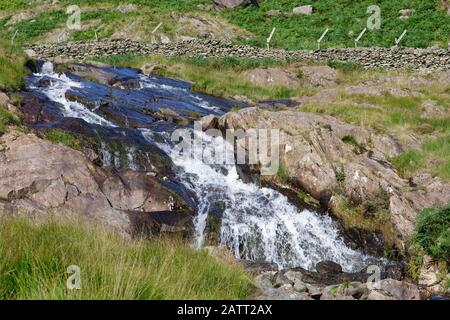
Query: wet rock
(325, 267)
(37, 108)
(90, 72)
(39, 178)
(258, 267)
(165, 222)
(136, 191)
(372, 241)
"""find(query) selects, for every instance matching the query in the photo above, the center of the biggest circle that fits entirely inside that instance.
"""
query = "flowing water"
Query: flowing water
(256, 223)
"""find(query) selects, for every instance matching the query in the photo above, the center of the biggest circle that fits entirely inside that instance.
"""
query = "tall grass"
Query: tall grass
(35, 258)
(12, 61)
(221, 76)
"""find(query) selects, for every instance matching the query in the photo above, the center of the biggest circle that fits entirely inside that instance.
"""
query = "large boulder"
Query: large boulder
(272, 77)
(39, 178)
(325, 267)
(400, 290)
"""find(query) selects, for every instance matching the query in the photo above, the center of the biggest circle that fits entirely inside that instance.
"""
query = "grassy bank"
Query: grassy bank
(35, 259)
(12, 78)
(400, 116)
(222, 77)
(12, 62)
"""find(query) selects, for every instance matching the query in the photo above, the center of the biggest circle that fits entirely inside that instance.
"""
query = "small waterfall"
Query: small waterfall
(60, 84)
(259, 223)
(255, 223)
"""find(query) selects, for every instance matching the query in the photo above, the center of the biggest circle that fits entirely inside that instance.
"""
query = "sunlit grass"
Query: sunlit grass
(35, 257)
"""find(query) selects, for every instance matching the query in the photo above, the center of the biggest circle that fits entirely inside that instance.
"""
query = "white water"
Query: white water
(60, 84)
(260, 223)
(257, 223)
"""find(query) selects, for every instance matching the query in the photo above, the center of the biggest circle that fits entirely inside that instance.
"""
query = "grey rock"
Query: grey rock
(307, 10)
(325, 267)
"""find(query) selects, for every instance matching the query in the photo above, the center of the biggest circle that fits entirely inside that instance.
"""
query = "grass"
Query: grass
(7, 119)
(433, 232)
(401, 118)
(57, 136)
(408, 163)
(223, 77)
(111, 267)
(428, 26)
(346, 19)
(12, 62)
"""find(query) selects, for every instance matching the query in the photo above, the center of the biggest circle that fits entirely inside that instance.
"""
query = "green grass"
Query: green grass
(433, 232)
(346, 19)
(12, 62)
(65, 138)
(35, 258)
(222, 77)
(7, 119)
(408, 163)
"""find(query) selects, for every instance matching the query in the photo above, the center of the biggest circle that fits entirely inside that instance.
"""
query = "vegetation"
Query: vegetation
(429, 25)
(399, 116)
(111, 267)
(65, 138)
(358, 149)
(346, 19)
(7, 119)
(223, 77)
(433, 232)
(12, 62)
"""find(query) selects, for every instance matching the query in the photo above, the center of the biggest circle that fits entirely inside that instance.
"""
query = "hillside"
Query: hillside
(91, 174)
(427, 25)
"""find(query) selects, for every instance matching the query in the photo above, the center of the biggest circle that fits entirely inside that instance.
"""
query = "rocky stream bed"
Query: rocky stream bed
(126, 173)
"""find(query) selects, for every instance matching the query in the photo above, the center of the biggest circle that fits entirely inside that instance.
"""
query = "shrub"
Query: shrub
(433, 232)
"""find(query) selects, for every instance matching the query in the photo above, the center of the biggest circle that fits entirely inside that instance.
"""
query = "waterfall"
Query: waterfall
(255, 223)
(259, 223)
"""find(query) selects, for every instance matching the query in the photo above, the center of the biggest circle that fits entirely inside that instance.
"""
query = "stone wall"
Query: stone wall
(422, 59)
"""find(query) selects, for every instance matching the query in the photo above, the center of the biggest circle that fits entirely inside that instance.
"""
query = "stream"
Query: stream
(258, 224)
